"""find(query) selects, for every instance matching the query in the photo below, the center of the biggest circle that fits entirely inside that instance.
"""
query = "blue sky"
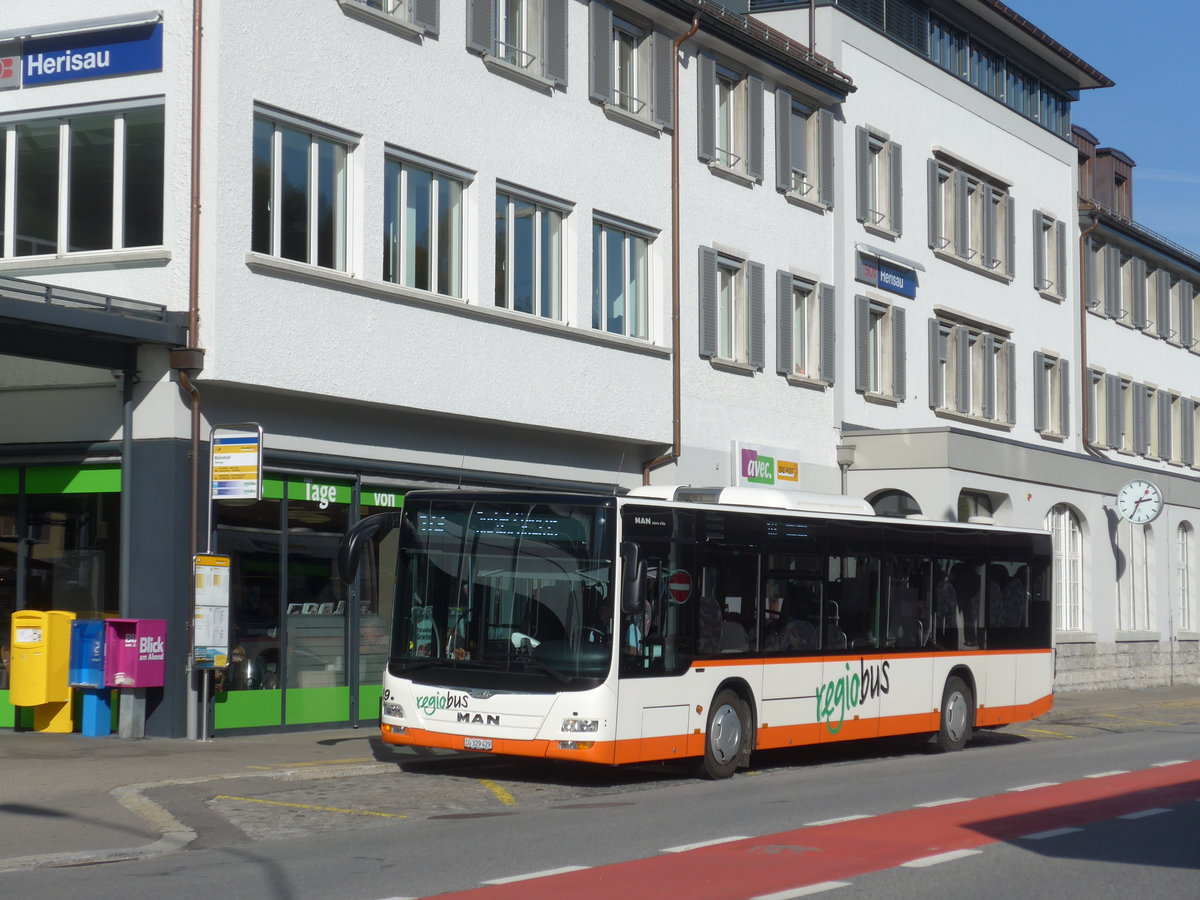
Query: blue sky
(1148, 49)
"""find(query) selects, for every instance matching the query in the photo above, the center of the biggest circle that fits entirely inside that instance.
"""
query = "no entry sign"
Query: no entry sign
(679, 584)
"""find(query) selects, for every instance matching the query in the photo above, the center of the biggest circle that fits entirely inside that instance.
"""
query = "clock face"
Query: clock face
(1140, 501)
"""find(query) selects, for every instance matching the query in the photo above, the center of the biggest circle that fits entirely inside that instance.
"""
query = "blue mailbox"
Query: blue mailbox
(86, 672)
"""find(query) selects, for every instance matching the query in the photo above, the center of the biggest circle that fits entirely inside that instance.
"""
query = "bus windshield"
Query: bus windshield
(504, 587)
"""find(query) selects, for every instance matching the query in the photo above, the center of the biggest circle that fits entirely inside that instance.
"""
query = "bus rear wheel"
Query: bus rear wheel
(726, 735)
(958, 714)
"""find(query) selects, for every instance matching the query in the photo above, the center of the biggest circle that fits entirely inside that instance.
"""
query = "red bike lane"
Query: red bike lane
(790, 860)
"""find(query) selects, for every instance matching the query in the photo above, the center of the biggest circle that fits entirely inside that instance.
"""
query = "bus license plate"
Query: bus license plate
(477, 744)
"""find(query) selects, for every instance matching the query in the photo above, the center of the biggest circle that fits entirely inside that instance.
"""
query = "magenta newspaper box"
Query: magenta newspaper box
(134, 652)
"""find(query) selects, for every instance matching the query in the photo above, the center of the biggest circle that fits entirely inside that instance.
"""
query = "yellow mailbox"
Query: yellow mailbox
(41, 656)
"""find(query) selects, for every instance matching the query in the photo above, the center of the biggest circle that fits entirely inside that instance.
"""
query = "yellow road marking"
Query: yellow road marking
(1057, 734)
(323, 762)
(350, 812)
(1140, 721)
(501, 794)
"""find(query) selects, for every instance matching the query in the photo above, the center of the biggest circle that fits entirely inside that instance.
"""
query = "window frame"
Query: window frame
(406, 17)
(1049, 255)
(971, 217)
(395, 244)
(972, 371)
(533, 50)
(738, 121)
(1068, 571)
(813, 360)
(1052, 395)
(653, 67)
(548, 213)
(879, 181)
(804, 166)
(630, 235)
(733, 337)
(880, 354)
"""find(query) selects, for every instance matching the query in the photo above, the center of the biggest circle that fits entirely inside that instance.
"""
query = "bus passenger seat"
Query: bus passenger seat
(733, 638)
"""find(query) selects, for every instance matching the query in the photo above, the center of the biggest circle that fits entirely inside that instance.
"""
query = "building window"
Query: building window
(631, 65)
(972, 371)
(529, 248)
(730, 119)
(300, 193)
(529, 36)
(1049, 255)
(404, 16)
(423, 227)
(879, 341)
(620, 279)
(803, 150)
(1052, 395)
(1185, 560)
(971, 216)
(805, 327)
(731, 308)
(81, 182)
(879, 181)
(1136, 584)
(1063, 525)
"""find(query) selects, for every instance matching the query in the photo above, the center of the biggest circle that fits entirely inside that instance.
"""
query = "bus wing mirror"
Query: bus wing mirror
(633, 578)
(360, 534)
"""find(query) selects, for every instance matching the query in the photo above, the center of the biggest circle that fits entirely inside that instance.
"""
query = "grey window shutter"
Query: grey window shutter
(1060, 269)
(756, 290)
(962, 216)
(1116, 411)
(426, 14)
(826, 188)
(1010, 235)
(601, 51)
(1010, 367)
(1040, 276)
(899, 355)
(936, 388)
(862, 151)
(706, 107)
(708, 302)
(1040, 376)
(784, 354)
(554, 42)
(1093, 416)
(828, 332)
(1186, 324)
(783, 140)
(662, 104)
(962, 370)
(754, 127)
(1164, 425)
(479, 26)
(989, 228)
(935, 205)
(1162, 296)
(896, 174)
(1187, 436)
(1141, 419)
(989, 377)
(1064, 397)
(1138, 277)
(862, 346)
(1112, 281)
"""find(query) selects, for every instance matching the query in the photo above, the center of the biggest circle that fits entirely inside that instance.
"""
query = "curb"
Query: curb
(174, 834)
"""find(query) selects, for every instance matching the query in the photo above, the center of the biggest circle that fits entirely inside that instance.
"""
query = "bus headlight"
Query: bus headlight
(581, 726)
(393, 710)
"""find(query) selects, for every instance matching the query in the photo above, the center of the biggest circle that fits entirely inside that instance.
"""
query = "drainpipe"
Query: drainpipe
(1085, 401)
(676, 414)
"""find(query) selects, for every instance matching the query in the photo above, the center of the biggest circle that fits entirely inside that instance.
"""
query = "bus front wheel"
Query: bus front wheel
(726, 736)
(958, 714)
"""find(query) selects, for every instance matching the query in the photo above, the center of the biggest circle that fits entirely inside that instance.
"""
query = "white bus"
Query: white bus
(700, 624)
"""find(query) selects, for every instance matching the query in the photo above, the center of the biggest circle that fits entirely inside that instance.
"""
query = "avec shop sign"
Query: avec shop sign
(81, 56)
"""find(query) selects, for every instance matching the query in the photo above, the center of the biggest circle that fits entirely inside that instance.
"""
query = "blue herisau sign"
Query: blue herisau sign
(92, 54)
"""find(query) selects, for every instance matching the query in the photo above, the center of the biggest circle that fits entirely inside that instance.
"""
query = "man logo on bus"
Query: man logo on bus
(851, 690)
(758, 469)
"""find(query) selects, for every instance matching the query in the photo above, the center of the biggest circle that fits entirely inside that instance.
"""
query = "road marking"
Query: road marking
(304, 765)
(834, 821)
(545, 873)
(1107, 774)
(932, 803)
(501, 794)
(349, 812)
(806, 891)
(1044, 835)
(1032, 787)
(1058, 734)
(684, 848)
(1169, 762)
(939, 858)
(1139, 721)
(1145, 812)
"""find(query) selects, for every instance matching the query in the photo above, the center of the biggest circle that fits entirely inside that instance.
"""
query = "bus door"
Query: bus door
(907, 696)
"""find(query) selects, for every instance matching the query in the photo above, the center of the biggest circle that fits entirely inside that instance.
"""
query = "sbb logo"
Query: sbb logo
(8, 68)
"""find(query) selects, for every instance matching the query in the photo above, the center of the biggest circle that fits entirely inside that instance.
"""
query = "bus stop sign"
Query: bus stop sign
(679, 584)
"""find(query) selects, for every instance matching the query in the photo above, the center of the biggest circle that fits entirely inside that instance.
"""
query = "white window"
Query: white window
(1052, 395)
(879, 339)
(631, 65)
(526, 36)
(804, 327)
(620, 279)
(1049, 255)
(730, 119)
(81, 181)
(879, 180)
(423, 226)
(971, 217)
(803, 150)
(529, 254)
(732, 295)
(299, 193)
(1063, 525)
(971, 371)
(403, 16)
(1185, 561)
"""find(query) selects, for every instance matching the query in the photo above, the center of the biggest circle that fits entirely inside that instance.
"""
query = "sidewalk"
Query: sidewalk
(66, 799)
